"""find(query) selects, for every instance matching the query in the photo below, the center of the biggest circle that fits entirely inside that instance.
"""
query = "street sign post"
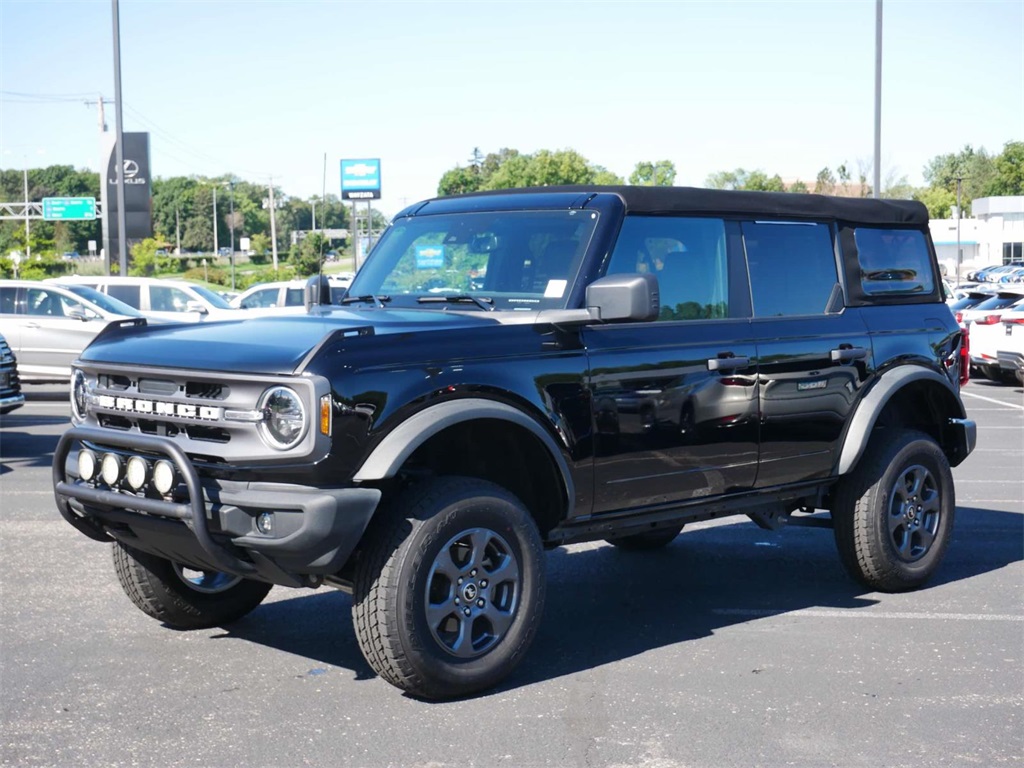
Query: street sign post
(69, 208)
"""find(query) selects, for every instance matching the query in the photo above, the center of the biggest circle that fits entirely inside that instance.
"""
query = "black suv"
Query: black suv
(514, 371)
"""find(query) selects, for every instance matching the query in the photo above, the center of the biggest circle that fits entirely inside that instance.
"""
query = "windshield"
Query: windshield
(507, 260)
(214, 299)
(101, 300)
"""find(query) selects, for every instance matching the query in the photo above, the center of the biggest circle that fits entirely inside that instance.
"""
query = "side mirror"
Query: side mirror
(196, 306)
(317, 291)
(618, 298)
(78, 313)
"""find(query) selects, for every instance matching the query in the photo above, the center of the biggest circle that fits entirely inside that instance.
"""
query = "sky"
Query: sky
(263, 89)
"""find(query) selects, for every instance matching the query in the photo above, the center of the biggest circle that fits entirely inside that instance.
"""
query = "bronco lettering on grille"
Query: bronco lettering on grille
(159, 408)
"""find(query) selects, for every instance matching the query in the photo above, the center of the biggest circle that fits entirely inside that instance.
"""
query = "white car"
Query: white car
(170, 300)
(287, 294)
(990, 341)
(48, 325)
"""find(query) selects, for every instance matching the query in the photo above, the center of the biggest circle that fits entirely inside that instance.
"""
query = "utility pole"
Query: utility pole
(177, 229)
(216, 250)
(313, 204)
(28, 244)
(273, 224)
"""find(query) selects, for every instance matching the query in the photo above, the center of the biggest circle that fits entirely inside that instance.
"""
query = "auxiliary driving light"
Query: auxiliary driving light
(137, 472)
(163, 476)
(86, 464)
(265, 523)
(111, 468)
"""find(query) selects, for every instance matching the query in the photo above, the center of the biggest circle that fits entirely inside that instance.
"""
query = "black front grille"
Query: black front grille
(206, 390)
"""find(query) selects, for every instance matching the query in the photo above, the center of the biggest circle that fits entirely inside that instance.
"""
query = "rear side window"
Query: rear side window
(129, 294)
(687, 255)
(792, 267)
(7, 296)
(893, 262)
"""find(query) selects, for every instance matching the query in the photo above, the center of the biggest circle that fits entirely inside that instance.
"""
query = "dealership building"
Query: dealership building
(994, 234)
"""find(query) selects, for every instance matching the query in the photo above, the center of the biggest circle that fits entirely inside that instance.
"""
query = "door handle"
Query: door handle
(726, 361)
(31, 325)
(847, 352)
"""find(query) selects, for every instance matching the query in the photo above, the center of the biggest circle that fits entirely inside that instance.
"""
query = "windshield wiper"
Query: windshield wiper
(483, 302)
(369, 298)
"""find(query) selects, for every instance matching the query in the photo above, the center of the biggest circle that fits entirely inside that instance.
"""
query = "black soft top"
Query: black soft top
(693, 200)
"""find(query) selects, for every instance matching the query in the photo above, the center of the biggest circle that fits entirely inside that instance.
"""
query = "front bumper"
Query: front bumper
(9, 403)
(210, 524)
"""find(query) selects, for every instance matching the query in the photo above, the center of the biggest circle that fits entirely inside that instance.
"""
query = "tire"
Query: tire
(893, 516)
(648, 540)
(424, 559)
(183, 598)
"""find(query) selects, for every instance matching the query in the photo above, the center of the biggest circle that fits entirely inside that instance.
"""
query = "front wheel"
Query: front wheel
(181, 597)
(449, 588)
(893, 516)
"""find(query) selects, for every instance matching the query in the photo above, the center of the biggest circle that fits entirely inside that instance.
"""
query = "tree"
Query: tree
(658, 174)
(825, 183)
(307, 254)
(798, 187)
(508, 168)
(727, 179)
(975, 169)
(1009, 167)
(938, 200)
(459, 181)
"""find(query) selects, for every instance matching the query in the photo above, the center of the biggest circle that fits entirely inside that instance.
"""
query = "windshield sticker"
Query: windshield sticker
(429, 256)
(555, 289)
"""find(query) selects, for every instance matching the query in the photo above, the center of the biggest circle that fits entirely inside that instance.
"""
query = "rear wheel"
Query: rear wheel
(182, 597)
(449, 588)
(647, 540)
(893, 516)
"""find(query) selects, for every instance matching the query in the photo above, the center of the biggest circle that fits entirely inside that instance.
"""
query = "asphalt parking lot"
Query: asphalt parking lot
(732, 647)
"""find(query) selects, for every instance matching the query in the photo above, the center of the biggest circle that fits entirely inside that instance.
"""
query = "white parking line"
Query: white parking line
(854, 613)
(992, 400)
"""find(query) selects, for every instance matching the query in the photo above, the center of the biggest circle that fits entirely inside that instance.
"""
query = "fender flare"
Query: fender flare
(866, 414)
(387, 458)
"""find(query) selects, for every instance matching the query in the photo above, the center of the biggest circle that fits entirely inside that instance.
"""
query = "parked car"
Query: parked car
(288, 293)
(970, 299)
(48, 325)
(991, 308)
(990, 340)
(170, 300)
(11, 396)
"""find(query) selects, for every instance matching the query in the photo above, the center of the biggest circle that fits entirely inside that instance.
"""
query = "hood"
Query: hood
(263, 344)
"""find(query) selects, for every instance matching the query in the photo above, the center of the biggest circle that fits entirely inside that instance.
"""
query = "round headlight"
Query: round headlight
(137, 472)
(86, 464)
(163, 476)
(79, 395)
(110, 468)
(284, 418)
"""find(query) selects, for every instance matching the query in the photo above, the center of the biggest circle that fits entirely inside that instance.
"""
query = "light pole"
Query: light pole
(959, 252)
(877, 192)
(28, 244)
(313, 204)
(216, 250)
(231, 227)
(122, 245)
